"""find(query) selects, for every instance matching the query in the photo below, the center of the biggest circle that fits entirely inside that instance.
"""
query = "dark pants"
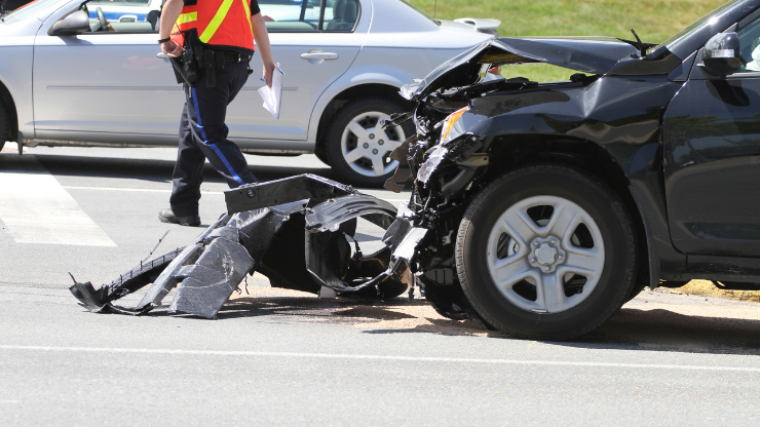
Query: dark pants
(203, 135)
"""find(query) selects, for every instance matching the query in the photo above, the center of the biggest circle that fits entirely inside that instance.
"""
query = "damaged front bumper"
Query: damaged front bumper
(296, 231)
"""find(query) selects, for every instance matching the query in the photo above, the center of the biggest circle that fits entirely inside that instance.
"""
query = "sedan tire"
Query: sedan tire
(3, 125)
(358, 148)
(546, 252)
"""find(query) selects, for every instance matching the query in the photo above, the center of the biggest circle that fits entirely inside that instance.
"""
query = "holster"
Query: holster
(186, 68)
(196, 61)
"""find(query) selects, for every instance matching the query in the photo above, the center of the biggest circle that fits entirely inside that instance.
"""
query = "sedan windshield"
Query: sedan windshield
(39, 8)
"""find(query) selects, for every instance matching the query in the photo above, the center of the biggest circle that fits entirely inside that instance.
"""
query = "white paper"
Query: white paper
(273, 96)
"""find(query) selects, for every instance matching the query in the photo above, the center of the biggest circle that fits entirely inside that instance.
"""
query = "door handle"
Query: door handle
(161, 55)
(325, 56)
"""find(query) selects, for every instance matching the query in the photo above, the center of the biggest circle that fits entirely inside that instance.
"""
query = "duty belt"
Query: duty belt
(214, 60)
(234, 56)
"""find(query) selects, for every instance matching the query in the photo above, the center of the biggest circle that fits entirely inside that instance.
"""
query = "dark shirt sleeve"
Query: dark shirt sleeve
(255, 7)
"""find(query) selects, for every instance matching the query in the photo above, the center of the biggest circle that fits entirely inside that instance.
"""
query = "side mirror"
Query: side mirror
(72, 24)
(721, 55)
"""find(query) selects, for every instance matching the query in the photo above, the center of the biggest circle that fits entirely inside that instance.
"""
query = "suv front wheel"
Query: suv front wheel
(356, 145)
(546, 252)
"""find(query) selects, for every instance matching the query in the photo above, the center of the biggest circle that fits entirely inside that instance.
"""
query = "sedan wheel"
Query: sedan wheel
(546, 252)
(358, 147)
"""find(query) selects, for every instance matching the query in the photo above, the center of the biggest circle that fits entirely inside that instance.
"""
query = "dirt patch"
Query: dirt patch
(395, 315)
(708, 289)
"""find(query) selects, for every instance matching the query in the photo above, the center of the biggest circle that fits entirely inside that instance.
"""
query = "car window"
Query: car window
(340, 15)
(749, 46)
(128, 16)
(290, 16)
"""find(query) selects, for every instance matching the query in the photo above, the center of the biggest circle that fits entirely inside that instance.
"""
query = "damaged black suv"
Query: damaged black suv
(553, 204)
(539, 208)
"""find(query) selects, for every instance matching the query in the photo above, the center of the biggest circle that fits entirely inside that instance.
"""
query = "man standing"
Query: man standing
(214, 39)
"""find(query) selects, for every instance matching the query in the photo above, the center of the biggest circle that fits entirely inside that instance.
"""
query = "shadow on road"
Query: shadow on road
(143, 169)
(661, 329)
(630, 329)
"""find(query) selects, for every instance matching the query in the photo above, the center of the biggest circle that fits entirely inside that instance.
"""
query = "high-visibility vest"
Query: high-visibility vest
(218, 23)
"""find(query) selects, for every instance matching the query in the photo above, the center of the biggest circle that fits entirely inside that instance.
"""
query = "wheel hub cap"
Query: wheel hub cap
(371, 144)
(546, 254)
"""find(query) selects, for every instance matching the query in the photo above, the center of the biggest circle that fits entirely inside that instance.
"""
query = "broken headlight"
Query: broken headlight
(452, 126)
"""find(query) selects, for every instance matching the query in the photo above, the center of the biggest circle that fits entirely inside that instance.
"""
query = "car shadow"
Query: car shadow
(630, 329)
(157, 170)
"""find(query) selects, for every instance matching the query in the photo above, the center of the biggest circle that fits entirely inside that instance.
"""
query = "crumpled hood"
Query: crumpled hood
(593, 55)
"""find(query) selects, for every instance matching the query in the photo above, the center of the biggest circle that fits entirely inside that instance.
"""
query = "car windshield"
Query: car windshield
(695, 25)
(435, 21)
(36, 8)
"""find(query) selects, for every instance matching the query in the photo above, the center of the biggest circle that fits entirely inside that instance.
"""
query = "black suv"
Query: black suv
(553, 204)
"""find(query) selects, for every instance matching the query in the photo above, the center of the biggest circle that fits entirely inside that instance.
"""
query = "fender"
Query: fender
(628, 130)
(353, 78)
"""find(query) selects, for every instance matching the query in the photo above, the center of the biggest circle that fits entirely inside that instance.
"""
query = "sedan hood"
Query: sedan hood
(593, 55)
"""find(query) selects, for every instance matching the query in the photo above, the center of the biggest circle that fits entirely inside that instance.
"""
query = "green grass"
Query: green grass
(654, 21)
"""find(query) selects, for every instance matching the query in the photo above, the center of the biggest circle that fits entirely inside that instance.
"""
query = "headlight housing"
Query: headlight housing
(452, 127)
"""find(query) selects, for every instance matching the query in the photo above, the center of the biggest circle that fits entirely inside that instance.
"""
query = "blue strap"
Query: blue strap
(213, 146)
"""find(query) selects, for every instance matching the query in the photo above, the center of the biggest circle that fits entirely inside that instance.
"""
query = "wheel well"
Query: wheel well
(513, 151)
(350, 94)
(11, 133)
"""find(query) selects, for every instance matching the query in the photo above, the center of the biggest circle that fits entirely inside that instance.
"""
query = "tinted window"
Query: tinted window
(749, 45)
(341, 15)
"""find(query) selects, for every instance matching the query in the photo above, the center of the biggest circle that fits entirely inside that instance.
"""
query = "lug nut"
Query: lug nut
(374, 151)
(381, 142)
(532, 259)
(535, 243)
(372, 136)
(366, 145)
(546, 268)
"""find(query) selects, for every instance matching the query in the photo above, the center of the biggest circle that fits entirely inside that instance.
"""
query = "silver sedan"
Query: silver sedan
(69, 79)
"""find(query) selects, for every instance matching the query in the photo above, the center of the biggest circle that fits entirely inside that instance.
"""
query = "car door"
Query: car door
(314, 42)
(711, 142)
(105, 86)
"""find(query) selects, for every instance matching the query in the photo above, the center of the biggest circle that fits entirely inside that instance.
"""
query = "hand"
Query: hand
(268, 71)
(171, 49)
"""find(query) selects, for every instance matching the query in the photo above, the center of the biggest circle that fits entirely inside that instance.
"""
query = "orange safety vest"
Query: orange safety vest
(218, 23)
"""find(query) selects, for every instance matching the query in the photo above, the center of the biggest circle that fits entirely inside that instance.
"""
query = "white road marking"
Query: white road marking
(37, 209)
(513, 362)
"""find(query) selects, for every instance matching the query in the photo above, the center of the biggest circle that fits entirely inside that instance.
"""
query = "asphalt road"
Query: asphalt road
(285, 358)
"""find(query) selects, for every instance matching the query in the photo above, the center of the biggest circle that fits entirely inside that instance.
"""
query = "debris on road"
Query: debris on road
(296, 231)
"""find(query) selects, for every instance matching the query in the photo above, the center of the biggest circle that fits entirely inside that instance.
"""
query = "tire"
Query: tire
(356, 149)
(533, 229)
(3, 125)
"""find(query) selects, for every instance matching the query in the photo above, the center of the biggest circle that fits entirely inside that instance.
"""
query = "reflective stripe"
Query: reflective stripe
(213, 146)
(248, 14)
(187, 18)
(216, 22)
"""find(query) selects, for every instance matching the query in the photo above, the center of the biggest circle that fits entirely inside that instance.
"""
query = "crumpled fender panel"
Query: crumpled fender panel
(313, 216)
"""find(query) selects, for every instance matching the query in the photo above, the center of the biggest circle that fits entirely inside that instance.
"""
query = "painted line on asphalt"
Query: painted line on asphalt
(513, 362)
(37, 209)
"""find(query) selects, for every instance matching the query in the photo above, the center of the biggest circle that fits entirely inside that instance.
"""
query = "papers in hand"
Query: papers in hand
(273, 96)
